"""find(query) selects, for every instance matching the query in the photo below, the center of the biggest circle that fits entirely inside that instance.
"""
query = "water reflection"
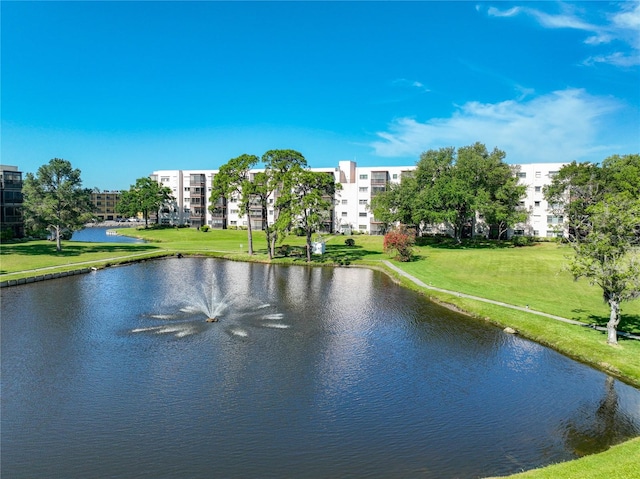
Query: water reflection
(310, 372)
(591, 430)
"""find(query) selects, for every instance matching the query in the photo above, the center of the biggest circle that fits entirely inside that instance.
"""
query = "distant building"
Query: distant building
(11, 220)
(104, 204)
(351, 213)
(543, 218)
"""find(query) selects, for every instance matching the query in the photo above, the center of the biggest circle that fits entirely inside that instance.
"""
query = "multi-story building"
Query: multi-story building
(104, 204)
(11, 220)
(543, 218)
(192, 190)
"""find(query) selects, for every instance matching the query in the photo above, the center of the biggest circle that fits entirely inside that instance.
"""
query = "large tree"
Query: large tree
(606, 253)
(503, 209)
(145, 196)
(601, 206)
(452, 187)
(54, 199)
(276, 185)
(578, 186)
(312, 198)
(233, 180)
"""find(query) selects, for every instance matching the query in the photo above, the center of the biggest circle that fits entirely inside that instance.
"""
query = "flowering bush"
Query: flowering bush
(400, 241)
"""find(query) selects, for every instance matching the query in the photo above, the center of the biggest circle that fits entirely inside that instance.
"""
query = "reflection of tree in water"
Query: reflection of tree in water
(590, 432)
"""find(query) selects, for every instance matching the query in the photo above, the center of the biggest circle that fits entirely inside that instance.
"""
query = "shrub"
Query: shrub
(400, 241)
(350, 242)
(204, 228)
(522, 240)
(283, 250)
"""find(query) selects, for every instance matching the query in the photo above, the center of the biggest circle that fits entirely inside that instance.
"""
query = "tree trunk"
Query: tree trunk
(58, 239)
(249, 233)
(308, 246)
(614, 320)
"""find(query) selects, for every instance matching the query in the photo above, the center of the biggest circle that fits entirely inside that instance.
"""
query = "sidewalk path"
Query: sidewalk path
(499, 303)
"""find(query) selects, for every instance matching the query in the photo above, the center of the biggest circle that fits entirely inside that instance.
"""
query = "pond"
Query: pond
(98, 234)
(309, 372)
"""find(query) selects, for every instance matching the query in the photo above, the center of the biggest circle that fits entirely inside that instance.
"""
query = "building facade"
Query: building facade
(11, 219)
(543, 221)
(104, 205)
(192, 190)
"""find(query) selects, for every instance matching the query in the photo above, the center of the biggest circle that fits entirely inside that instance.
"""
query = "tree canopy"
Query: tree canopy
(145, 196)
(234, 181)
(310, 201)
(276, 185)
(602, 211)
(54, 199)
(451, 186)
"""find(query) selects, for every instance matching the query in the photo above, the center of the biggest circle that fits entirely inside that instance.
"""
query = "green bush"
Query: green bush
(350, 242)
(522, 240)
(283, 250)
(204, 228)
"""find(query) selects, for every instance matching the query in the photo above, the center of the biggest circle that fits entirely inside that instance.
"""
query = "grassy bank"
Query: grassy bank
(532, 276)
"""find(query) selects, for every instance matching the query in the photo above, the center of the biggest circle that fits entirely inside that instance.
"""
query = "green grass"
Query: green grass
(531, 276)
(619, 462)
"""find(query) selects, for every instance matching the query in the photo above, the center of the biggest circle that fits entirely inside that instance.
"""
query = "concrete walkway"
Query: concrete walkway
(498, 303)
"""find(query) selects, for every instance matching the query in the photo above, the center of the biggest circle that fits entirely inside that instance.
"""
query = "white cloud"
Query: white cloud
(622, 25)
(403, 82)
(560, 126)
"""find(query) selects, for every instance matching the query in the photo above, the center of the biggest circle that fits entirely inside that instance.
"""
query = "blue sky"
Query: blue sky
(121, 89)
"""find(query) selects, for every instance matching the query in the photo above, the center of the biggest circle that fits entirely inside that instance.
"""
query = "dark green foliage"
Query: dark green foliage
(55, 200)
(350, 242)
(144, 197)
(523, 241)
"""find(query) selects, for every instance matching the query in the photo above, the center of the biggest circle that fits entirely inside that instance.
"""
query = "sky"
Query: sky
(121, 89)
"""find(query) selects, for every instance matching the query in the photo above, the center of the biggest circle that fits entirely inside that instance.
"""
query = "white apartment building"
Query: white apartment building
(542, 220)
(192, 191)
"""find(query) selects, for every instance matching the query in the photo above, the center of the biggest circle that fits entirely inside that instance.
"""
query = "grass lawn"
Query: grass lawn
(532, 276)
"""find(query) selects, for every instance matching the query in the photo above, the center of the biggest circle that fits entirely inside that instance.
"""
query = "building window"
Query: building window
(521, 174)
(363, 189)
(362, 227)
(395, 176)
(552, 174)
(344, 213)
(362, 202)
(270, 212)
(538, 189)
(536, 232)
(164, 179)
(362, 214)
(233, 212)
(364, 177)
(554, 220)
(344, 202)
(538, 174)
(536, 204)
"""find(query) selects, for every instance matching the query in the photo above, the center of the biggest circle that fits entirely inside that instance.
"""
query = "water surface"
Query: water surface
(310, 372)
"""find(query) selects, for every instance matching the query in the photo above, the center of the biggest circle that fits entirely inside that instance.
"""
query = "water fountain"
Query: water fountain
(211, 304)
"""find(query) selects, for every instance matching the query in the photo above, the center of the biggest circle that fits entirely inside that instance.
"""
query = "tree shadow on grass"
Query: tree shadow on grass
(334, 254)
(446, 242)
(629, 323)
(72, 249)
